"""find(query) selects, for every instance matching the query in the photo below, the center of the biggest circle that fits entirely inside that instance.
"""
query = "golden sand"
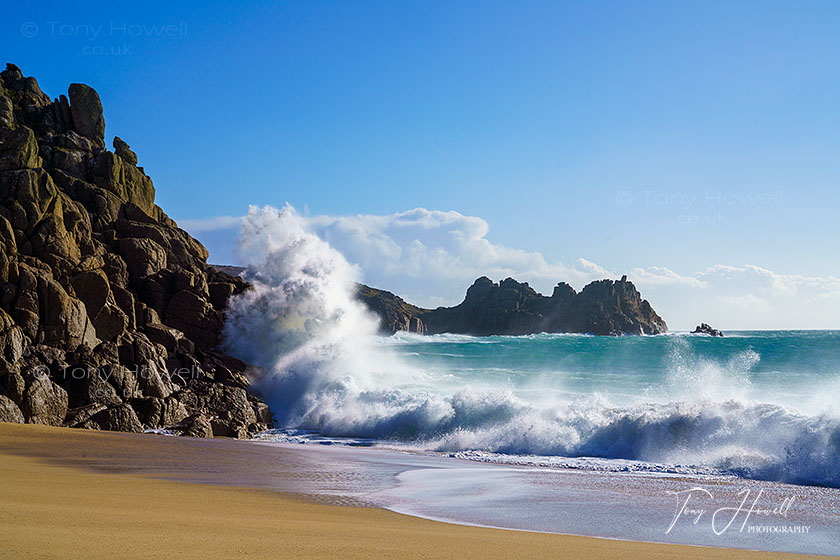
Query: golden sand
(64, 494)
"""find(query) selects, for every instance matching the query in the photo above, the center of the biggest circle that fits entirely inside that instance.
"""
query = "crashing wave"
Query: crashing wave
(330, 374)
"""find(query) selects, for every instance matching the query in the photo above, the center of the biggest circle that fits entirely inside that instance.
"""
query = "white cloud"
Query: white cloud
(593, 269)
(769, 284)
(660, 276)
(434, 247)
(430, 257)
(747, 296)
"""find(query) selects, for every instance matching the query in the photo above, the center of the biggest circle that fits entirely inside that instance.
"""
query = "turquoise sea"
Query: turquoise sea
(756, 404)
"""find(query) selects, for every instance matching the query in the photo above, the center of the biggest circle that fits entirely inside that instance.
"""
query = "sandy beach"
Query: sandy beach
(419, 280)
(108, 495)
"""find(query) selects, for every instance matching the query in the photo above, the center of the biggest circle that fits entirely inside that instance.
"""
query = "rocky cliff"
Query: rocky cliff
(110, 316)
(394, 313)
(605, 307)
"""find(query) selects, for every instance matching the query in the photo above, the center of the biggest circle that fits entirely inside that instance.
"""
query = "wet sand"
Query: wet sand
(80, 494)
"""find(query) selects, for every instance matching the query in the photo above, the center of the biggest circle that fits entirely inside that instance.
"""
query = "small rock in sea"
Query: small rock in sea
(703, 328)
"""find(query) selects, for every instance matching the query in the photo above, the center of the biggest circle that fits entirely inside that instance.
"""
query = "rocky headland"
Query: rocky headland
(110, 316)
(604, 307)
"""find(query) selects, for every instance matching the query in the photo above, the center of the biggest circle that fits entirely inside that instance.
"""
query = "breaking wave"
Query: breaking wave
(329, 374)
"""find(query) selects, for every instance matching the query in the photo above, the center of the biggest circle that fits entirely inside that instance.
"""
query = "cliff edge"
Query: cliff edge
(110, 316)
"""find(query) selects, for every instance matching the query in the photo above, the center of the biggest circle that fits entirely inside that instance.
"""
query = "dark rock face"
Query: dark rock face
(394, 313)
(43, 402)
(196, 425)
(86, 111)
(9, 411)
(604, 307)
(124, 151)
(703, 328)
(109, 313)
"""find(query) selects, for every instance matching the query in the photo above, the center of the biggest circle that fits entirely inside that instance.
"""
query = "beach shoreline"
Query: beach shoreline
(113, 495)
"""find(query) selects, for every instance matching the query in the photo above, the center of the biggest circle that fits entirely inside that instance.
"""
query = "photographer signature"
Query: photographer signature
(722, 518)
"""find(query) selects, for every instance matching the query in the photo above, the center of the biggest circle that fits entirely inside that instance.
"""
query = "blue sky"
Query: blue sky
(643, 137)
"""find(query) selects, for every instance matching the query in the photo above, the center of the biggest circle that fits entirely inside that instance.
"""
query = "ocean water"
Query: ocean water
(756, 405)
(760, 404)
(753, 404)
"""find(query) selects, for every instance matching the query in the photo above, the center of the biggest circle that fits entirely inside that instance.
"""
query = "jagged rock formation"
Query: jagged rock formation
(604, 307)
(703, 328)
(394, 313)
(110, 316)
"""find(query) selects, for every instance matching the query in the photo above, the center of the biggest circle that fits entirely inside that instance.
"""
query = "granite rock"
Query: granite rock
(110, 315)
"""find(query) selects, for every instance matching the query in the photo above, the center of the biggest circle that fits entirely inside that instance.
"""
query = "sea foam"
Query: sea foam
(329, 374)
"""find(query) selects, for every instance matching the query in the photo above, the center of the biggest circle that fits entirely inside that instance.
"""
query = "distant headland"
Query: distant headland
(603, 307)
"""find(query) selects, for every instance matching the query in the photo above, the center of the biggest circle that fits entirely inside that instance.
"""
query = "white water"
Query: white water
(664, 402)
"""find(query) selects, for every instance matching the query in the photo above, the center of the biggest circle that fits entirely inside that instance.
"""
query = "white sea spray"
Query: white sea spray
(328, 373)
